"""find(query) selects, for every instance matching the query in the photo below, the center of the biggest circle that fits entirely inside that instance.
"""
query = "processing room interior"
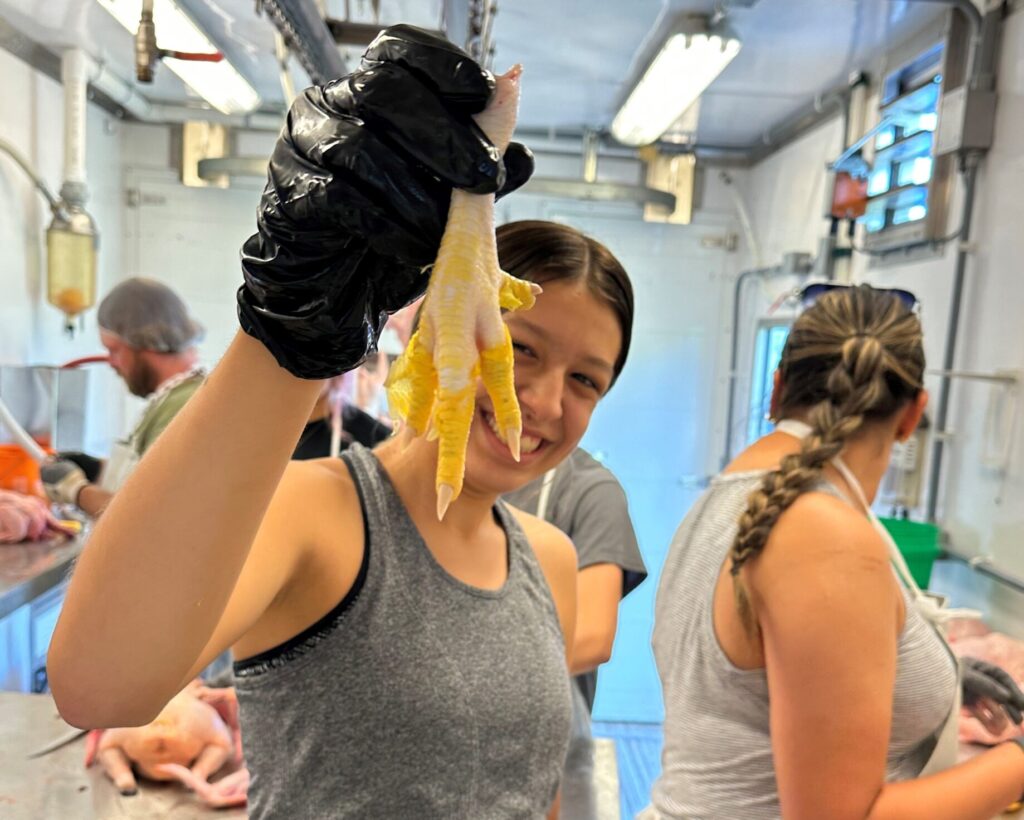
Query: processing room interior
(461, 409)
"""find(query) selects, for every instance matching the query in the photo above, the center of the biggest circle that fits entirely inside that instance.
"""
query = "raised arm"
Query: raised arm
(353, 211)
(830, 614)
(155, 577)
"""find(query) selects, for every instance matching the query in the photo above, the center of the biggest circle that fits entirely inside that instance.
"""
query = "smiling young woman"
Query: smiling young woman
(569, 349)
(388, 663)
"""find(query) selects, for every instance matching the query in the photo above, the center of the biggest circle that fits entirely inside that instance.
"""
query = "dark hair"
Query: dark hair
(855, 355)
(540, 251)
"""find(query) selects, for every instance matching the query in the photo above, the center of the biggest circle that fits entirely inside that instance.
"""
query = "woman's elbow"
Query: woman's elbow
(603, 653)
(590, 651)
(89, 712)
(86, 705)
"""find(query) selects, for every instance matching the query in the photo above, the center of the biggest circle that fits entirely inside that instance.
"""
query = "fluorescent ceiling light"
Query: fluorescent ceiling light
(219, 84)
(679, 72)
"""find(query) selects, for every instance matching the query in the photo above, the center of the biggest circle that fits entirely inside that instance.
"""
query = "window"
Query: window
(909, 183)
(899, 181)
(768, 344)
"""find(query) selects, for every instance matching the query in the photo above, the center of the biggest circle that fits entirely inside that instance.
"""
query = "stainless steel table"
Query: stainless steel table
(28, 570)
(57, 786)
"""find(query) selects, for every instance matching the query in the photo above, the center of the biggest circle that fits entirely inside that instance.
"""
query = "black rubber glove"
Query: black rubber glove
(357, 199)
(986, 680)
(91, 466)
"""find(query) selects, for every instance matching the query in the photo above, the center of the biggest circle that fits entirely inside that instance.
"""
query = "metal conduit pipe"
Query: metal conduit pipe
(966, 7)
(976, 21)
(823, 107)
(982, 66)
(970, 176)
(985, 566)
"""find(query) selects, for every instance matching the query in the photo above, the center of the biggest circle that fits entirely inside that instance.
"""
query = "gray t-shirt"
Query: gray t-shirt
(588, 504)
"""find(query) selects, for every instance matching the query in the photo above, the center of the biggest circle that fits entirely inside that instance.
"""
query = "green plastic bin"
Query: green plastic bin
(919, 544)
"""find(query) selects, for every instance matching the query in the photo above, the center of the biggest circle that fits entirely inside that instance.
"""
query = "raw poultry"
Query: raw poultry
(461, 335)
(189, 741)
(26, 518)
(1003, 651)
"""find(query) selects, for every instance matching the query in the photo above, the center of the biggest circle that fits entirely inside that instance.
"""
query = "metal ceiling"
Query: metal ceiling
(577, 53)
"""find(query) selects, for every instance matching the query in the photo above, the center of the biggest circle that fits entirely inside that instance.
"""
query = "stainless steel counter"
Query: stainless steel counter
(28, 570)
(58, 785)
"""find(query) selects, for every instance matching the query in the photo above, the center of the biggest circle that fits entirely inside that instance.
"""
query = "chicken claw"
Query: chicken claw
(461, 336)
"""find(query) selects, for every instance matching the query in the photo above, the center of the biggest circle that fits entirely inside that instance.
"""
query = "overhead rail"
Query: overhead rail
(307, 37)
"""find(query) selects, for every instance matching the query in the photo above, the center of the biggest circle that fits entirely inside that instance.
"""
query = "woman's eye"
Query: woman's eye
(586, 381)
(521, 348)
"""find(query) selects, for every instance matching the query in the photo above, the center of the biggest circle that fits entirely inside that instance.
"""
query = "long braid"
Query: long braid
(845, 353)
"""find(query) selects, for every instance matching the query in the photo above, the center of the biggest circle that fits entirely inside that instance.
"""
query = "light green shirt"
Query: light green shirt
(159, 414)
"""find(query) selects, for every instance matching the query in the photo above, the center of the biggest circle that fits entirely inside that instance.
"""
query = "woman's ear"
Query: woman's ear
(911, 417)
(776, 400)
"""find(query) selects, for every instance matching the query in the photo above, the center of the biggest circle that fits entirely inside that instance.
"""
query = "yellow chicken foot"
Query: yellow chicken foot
(461, 337)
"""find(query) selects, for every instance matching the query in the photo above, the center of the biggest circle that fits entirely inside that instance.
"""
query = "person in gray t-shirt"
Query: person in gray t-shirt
(584, 499)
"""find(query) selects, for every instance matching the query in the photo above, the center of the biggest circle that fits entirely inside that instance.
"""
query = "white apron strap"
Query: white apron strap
(545, 493)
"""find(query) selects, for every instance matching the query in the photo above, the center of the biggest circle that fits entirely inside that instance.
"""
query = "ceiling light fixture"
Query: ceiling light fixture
(678, 67)
(219, 83)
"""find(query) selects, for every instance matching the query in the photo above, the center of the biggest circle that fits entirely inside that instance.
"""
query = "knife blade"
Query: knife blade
(69, 736)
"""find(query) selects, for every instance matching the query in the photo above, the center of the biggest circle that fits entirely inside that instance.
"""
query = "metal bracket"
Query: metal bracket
(202, 141)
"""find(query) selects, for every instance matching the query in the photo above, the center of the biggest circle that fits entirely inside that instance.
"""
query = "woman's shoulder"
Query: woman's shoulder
(557, 559)
(553, 548)
(318, 475)
(821, 521)
(821, 540)
(315, 498)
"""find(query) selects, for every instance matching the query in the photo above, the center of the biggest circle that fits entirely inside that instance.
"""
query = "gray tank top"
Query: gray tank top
(418, 696)
(717, 757)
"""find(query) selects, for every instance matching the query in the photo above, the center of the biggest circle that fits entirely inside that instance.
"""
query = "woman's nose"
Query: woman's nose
(540, 396)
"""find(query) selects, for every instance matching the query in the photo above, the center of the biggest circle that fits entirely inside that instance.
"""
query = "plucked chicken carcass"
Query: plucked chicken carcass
(26, 518)
(189, 741)
(1004, 652)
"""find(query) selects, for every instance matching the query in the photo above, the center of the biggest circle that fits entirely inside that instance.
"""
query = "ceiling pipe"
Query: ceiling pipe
(308, 37)
(824, 107)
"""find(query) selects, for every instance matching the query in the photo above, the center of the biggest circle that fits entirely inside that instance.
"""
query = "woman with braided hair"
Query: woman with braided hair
(802, 677)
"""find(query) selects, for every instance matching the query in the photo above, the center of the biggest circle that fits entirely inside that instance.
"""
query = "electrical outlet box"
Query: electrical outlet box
(967, 120)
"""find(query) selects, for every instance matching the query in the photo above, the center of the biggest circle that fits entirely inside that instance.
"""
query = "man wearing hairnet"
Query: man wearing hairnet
(151, 340)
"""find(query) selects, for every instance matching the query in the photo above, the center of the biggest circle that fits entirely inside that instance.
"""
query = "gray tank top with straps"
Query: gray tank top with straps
(717, 757)
(418, 696)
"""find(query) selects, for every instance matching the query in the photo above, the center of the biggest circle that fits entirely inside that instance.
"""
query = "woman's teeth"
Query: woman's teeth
(528, 444)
